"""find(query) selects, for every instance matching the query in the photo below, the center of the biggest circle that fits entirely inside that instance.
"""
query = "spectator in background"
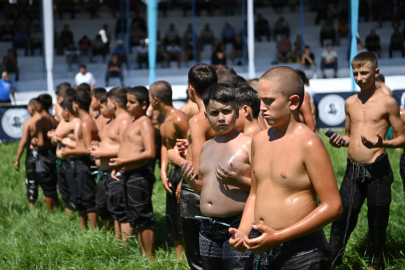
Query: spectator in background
(342, 29)
(138, 20)
(328, 32)
(228, 33)
(72, 55)
(120, 27)
(173, 54)
(114, 70)
(189, 51)
(142, 54)
(364, 9)
(84, 77)
(35, 41)
(400, 13)
(23, 22)
(120, 51)
(98, 48)
(360, 47)
(218, 59)
(136, 35)
(85, 45)
(380, 83)
(297, 49)
(373, 43)
(206, 36)
(21, 40)
(6, 88)
(217, 46)
(160, 54)
(7, 28)
(308, 60)
(281, 27)
(65, 38)
(376, 6)
(322, 13)
(237, 50)
(65, 6)
(284, 47)
(397, 42)
(387, 12)
(11, 64)
(262, 28)
(172, 35)
(278, 5)
(105, 37)
(188, 34)
(329, 60)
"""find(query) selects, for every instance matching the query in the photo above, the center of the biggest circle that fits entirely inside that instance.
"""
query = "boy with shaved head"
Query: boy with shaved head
(248, 103)
(282, 202)
(175, 126)
(368, 174)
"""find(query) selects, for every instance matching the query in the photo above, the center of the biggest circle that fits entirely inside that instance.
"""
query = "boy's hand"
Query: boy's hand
(57, 138)
(117, 163)
(96, 153)
(227, 177)
(95, 143)
(17, 165)
(166, 184)
(268, 240)
(51, 133)
(336, 140)
(182, 145)
(65, 152)
(237, 240)
(188, 172)
(113, 175)
(376, 144)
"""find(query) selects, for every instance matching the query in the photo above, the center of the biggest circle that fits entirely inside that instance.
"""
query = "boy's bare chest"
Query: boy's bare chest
(113, 132)
(367, 113)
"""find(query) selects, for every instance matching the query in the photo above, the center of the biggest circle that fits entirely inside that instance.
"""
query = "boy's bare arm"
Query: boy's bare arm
(68, 142)
(336, 140)
(330, 207)
(197, 133)
(307, 114)
(24, 142)
(87, 139)
(173, 156)
(163, 168)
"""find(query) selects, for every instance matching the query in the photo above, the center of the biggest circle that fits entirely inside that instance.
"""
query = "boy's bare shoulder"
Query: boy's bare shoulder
(243, 138)
(308, 139)
(388, 101)
(261, 135)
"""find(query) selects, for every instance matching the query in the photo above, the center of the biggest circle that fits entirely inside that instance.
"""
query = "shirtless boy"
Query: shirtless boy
(56, 107)
(137, 148)
(380, 83)
(285, 181)
(45, 165)
(307, 108)
(190, 108)
(222, 198)
(368, 174)
(175, 126)
(102, 153)
(248, 103)
(29, 132)
(98, 95)
(83, 186)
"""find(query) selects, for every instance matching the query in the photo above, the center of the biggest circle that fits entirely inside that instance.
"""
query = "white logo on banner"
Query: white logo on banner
(12, 122)
(332, 110)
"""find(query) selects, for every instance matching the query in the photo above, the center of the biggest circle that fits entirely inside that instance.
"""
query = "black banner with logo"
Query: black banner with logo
(12, 119)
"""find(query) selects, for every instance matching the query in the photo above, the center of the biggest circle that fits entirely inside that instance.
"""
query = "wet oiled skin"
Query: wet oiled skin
(168, 129)
(284, 192)
(217, 199)
(132, 144)
(112, 138)
(88, 122)
(63, 129)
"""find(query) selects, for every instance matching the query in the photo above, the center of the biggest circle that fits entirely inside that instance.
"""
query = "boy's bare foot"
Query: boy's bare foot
(178, 244)
(83, 219)
(69, 210)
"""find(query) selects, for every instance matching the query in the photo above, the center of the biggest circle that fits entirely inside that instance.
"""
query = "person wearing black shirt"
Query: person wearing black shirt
(114, 70)
(237, 49)
(373, 43)
(262, 28)
(308, 60)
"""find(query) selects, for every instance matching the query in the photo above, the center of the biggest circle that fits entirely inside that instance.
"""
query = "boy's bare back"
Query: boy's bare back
(87, 132)
(172, 128)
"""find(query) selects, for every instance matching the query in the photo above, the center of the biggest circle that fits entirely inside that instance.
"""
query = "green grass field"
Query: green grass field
(35, 239)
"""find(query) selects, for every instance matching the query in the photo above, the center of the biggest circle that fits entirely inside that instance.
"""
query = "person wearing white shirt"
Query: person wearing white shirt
(173, 53)
(84, 77)
(329, 60)
(142, 54)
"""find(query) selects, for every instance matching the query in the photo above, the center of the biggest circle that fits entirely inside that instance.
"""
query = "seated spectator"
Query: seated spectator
(373, 43)
(278, 5)
(138, 20)
(84, 77)
(228, 33)
(400, 13)
(308, 60)
(65, 6)
(142, 53)
(237, 50)
(136, 35)
(342, 29)
(35, 41)
(217, 46)
(188, 34)
(97, 48)
(329, 60)
(364, 9)
(7, 28)
(376, 6)
(11, 64)
(262, 28)
(173, 54)
(281, 27)
(23, 22)
(218, 59)
(36, 22)
(84, 45)
(65, 38)
(160, 54)
(284, 48)
(206, 36)
(91, 6)
(322, 13)
(297, 48)
(114, 70)
(120, 52)
(387, 12)
(72, 55)
(21, 40)
(172, 35)
(328, 32)
(6, 89)
(120, 29)
(189, 51)
(397, 42)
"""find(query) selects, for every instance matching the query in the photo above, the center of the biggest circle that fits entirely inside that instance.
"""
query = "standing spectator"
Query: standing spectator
(228, 33)
(262, 28)
(136, 34)
(298, 48)
(72, 55)
(172, 35)
(328, 32)
(397, 42)
(142, 54)
(237, 49)
(84, 77)
(308, 60)
(120, 51)
(281, 27)
(322, 13)
(329, 60)
(85, 45)
(65, 38)
(373, 43)
(189, 51)
(21, 40)
(97, 48)
(10, 62)
(35, 41)
(284, 47)
(206, 36)
(114, 70)
(173, 54)
(105, 37)
(6, 88)
(342, 29)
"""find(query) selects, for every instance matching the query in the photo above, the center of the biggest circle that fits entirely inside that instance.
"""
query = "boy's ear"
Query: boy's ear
(206, 118)
(377, 72)
(294, 102)
(246, 110)
(144, 106)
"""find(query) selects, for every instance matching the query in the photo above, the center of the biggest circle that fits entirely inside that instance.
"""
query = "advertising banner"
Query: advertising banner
(12, 119)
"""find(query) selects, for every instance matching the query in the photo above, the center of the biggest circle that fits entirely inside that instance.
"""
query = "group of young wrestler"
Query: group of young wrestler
(244, 189)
